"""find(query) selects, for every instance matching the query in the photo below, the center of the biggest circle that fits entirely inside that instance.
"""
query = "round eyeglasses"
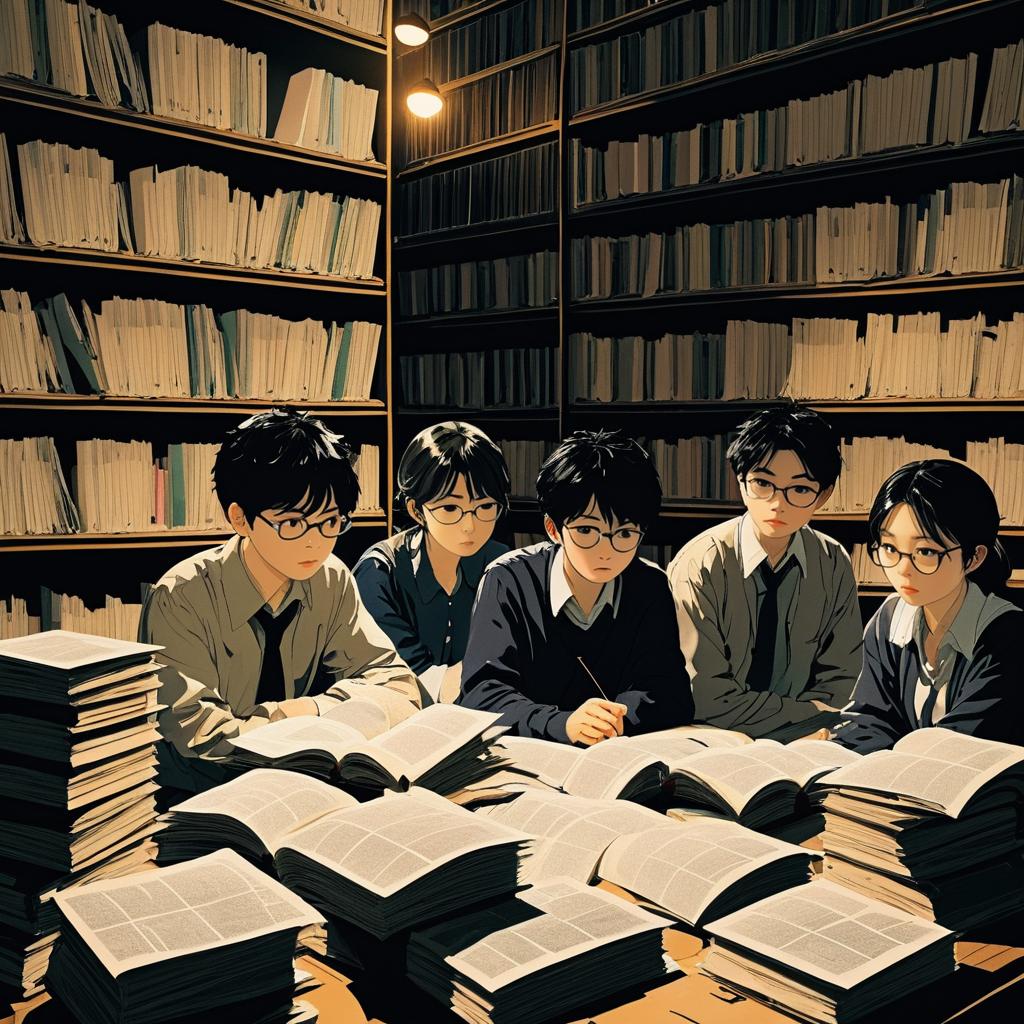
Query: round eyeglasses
(924, 560)
(293, 529)
(449, 515)
(797, 495)
(622, 540)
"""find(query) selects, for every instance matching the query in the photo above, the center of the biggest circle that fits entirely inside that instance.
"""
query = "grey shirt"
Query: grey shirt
(818, 656)
(201, 611)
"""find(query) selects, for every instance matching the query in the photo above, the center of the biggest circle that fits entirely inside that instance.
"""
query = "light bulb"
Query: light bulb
(411, 30)
(424, 100)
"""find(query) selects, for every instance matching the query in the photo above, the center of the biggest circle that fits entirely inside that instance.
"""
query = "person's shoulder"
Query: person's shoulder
(521, 562)
(193, 574)
(713, 547)
(333, 577)
(827, 548)
(880, 624)
(1002, 625)
(385, 553)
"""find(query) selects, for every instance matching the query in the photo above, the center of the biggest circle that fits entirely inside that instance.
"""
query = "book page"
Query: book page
(65, 650)
(668, 747)
(387, 843)
(396, 707)
(606, 768)
(549, 761)
(269, 801)
(937, 767)
(278, 740)
(684, 867)
(734, 775)
(706, 735)
(429, 737)
(187, 908)
(367, 718)
(571, 832)
(827, 932)
(574, 919)
(803, 760)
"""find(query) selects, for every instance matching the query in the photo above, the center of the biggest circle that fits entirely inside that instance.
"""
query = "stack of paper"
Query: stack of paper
(329, 114)
(931, 827)
(822, 953)
(443, 748)
(182, 941)
(77, 771)
(397, 862)
(555, 948)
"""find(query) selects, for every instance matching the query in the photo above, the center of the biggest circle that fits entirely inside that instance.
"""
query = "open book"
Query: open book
(443, 747)
(760, 784)
(823, 953)
(701, 870)
(186, 939)
(570, 832)
(553, 949)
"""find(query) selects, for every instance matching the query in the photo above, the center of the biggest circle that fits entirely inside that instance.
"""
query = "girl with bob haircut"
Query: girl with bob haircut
(420, 584)
(944, 650)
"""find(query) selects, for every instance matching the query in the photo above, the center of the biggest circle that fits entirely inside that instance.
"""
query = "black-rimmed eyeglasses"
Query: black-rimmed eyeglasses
(293, 529)
(924, 560)
(797, 495)
(622, 540)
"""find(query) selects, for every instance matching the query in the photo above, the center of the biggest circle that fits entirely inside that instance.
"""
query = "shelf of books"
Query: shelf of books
(705, 233)
(193, 221)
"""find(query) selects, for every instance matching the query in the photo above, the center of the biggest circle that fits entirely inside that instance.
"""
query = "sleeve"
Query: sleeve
(988, 702)
(379, 594)
(493, 669)
(358, 651)
(838, 662)
(660, 697)
(196, 719)
(875, 719)
(699, 585)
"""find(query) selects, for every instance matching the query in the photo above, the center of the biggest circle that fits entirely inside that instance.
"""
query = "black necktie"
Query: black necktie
(271, 685)
(762, 661)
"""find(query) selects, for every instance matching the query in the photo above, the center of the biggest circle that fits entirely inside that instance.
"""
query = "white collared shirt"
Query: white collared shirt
(562, 598)
(908, 624)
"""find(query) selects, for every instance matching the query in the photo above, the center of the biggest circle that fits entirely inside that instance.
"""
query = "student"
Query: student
(268, 625)
(768, 614)
(945, 648)
(575, 639)
(420, 584)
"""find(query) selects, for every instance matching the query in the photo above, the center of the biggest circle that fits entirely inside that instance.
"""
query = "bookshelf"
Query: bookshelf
(291, 39)
(857, 57)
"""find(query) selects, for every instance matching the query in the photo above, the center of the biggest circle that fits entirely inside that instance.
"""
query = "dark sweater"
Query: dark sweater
(522, 661)
(984, 698)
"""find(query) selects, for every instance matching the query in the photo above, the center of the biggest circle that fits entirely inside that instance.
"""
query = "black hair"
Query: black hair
(954, 506)
(790, 427)
(603, 465)
(286, 461)
(436, 456)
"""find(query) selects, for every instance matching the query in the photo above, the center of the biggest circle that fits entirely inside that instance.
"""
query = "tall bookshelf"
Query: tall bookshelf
(909, 35)
(90, 565)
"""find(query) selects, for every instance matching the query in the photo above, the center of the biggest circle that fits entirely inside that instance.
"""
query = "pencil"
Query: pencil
(592, 679)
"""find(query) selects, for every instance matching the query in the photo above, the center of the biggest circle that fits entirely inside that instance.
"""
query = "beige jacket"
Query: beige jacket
(199, 613)
(716, 604)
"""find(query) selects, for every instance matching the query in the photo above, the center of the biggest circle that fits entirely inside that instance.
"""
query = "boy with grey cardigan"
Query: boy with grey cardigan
(768, 614)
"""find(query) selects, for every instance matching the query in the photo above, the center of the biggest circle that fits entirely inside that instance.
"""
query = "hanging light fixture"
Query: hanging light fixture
(411, 30)
(424, 99)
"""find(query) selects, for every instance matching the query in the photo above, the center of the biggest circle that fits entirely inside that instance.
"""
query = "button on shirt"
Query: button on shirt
(752, 556)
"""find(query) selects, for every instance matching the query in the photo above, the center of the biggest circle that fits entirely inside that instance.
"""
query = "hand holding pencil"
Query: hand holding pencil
(596, 719)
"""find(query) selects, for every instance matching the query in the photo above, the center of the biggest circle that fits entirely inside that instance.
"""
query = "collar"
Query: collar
(561, 593)
(752, 554)
(243, 597)
(470, 569)
(977, 611)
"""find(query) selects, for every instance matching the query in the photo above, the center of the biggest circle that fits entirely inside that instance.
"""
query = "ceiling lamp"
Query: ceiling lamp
(424, 100)
(411, 30)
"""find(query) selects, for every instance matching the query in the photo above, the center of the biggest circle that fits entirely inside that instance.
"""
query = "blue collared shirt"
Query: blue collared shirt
(397, 584)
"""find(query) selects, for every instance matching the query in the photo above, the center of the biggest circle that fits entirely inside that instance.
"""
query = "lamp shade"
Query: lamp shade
(411, 30)
(423, 99)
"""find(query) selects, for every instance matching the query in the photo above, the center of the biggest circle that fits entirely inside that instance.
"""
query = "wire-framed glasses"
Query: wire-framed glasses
(293, 529)
(449, 514)
(924, 560)
(624, 539)
(797, 495)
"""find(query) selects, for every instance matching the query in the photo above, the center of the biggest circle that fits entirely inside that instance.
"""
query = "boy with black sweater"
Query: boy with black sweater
(575, 639)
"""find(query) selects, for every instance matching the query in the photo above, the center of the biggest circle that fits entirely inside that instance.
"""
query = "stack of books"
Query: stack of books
(15, 619)
(35, 497)
(187, 941)
(574, 946)
(823, 953)
(78, 758)
(11, 228)
(931, 827)
(362, 15)
(1004, 101)
(328, 114)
